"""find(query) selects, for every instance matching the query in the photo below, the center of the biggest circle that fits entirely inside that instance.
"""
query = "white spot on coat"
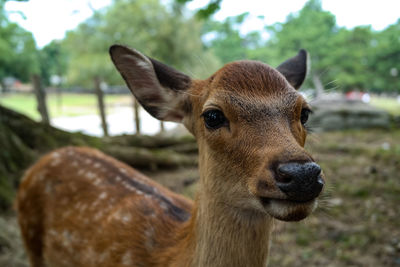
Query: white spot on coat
(98, 216)
(127, 259)
(97, 182)
(126, 218)
(149, 233)
(48, 188)
(90, 175)
(55, 162)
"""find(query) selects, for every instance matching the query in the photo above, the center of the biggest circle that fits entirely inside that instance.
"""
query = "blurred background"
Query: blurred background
(58, 87)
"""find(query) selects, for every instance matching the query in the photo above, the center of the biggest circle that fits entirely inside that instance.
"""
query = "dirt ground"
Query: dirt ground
(358, 219)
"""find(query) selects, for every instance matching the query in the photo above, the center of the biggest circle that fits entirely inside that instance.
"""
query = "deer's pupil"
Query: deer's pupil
(304, 115)
(214, 119)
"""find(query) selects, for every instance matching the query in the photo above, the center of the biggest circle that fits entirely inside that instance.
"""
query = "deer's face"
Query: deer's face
(248, 120)
(252, 132)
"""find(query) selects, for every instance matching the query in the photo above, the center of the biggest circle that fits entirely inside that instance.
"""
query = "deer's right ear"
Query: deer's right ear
(295, 69)
(158, 87)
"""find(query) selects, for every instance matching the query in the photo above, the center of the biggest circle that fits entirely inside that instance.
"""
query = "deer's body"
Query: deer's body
(79, 207)
(94, 199)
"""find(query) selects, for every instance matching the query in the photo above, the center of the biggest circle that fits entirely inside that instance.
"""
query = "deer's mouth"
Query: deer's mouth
(265, 201)
(288, 210)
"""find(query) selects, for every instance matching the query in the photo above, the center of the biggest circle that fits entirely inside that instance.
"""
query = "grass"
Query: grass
(391, 105)
(66, 105)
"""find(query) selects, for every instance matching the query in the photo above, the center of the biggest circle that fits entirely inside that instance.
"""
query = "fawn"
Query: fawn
(79, 207)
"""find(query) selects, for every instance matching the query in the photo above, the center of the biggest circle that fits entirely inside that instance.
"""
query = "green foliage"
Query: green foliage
(353, 52)
(344, 59)
(385, 63)
(312, 29)
(18, 54)
(225, 40)
(53, 61)
(207, 11)
(145, 25)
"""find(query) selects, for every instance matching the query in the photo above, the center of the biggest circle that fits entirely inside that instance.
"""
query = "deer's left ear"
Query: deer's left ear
(295, 69)
(158, 87)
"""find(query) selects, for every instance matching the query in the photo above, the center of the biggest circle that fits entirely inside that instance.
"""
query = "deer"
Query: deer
(79, 207)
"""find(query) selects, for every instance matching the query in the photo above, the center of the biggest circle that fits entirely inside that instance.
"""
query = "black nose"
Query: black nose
(300, 181)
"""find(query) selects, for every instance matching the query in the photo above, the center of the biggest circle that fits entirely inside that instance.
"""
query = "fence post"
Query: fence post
(162, 127)
(40, 98)
(100, 101)
(136, 108)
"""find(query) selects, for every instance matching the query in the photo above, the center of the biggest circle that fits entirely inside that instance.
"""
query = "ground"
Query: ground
(356, 224)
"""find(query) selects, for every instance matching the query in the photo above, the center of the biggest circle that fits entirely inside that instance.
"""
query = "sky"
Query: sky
(50, 19)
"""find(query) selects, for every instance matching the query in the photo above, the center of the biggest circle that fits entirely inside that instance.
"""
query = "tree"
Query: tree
(208, 10)
(18, 53)
(87, 54)
(385, 59)
(224, 39)
(145, 25)
(53, 61)
(353, 51)
(314, 30)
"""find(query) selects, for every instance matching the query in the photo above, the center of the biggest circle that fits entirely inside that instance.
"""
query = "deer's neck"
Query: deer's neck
(228, 237)
(219, 234)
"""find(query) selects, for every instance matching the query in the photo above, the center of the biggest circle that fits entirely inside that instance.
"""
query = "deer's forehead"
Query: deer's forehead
(250, 78)
(252, 87)
(256, 108)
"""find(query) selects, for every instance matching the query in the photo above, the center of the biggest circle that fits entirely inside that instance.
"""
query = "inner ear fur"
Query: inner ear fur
(295, 69)
(158, 88)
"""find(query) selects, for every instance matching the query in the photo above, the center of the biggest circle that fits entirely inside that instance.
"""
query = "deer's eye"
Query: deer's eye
(305, 112)
(214, 119)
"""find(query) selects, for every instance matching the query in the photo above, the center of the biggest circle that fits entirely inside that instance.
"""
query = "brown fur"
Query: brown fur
(79, 207)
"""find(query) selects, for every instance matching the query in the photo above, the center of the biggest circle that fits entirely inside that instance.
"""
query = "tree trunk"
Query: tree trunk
(136, 108)
(100, 101)
(153, 142)
(143, 158)
(319, 87)
(40, 98)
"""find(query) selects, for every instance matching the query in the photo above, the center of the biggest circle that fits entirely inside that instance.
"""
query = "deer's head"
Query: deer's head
(249, 122)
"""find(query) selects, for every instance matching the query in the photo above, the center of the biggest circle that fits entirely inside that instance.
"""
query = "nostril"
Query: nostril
(285, 173)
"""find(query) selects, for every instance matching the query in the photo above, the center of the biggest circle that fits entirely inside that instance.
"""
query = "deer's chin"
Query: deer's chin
(286, 210)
